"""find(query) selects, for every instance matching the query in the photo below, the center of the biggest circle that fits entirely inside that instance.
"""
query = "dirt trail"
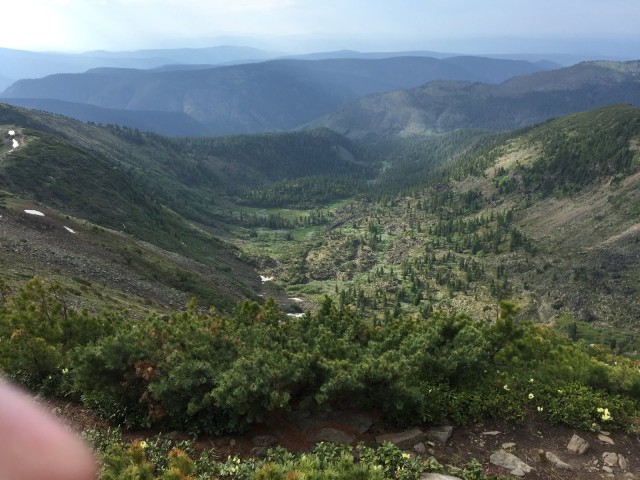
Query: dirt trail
(479, 441)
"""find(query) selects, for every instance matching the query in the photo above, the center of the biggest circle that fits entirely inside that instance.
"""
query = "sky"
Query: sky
(294, 26)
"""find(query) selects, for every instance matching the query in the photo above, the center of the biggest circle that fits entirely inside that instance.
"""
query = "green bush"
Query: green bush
(200, 371)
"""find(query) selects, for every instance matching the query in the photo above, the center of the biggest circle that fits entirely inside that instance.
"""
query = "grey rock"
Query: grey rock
(607, 469)
(605, 439)
(332, 435)
(556, 462)
(437, 476)
(610, 459)
(440, 435)
(259, 452)
(403, 440)
(264, 440)
(493, 433)
(518, 472)
(509, 446)
(622, 462)
(420, 448)
(578, 445)
(509, 461)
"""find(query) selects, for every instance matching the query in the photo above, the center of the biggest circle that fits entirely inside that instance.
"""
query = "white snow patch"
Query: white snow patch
(295, 315)
(15, 144)
(70, 230)
(296, 299)
(12, 132)
(266, 279)
(34, 212)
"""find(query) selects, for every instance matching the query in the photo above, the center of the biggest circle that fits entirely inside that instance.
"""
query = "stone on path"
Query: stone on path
(437, 476)
(509, 446)
(518, 472)
(556, 462)
(440, 434)
(403, 440)
(578, 445)
(610, 459)
(510, 462)
(622, 462)
(605, 439)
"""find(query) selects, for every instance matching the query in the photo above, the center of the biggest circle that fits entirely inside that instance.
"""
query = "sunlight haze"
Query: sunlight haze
(304, 25)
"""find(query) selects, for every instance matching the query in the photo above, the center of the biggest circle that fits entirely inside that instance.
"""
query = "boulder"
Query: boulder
(420, 448)
(622, 462)
(259, 452)
(510, 462)
(610, 459)
(578, 445)
(403, 440)
(440, 435)
(556, 462)
(605, 439)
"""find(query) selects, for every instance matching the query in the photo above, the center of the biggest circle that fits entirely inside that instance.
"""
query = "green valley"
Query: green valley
(449, 278)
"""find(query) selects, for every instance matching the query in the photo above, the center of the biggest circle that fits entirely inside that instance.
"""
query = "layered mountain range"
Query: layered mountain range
(383, 96)
(266, 96)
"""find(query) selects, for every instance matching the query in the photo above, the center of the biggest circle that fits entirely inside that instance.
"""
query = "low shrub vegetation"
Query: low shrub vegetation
(202, 372)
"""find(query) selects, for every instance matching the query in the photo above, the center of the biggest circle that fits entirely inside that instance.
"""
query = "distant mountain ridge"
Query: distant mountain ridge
(267, 96)
(19, 64)
(520, 101)
(164, 123)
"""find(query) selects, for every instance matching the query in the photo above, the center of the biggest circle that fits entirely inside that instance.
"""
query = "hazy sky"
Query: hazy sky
(295, 25)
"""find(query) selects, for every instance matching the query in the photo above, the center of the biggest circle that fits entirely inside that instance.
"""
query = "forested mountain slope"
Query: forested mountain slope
(267, 96)
(518, 102)
(158, 205)
(546, 217)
